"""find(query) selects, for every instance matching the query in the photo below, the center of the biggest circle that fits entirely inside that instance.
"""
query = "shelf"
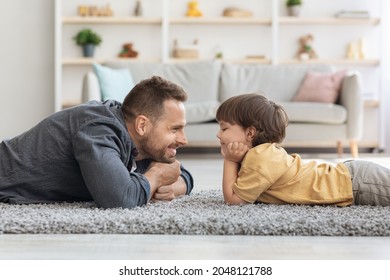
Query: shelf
(329, 21)
(369, 103)
(220, 20)
(249, 61)
(365, 62)
(112, 20)
(89, 61)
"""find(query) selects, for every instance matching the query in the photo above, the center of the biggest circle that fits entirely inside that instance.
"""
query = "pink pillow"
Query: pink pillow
(320, 87)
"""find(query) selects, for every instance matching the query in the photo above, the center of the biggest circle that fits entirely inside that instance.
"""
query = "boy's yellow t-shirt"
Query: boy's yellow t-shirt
(269, 174)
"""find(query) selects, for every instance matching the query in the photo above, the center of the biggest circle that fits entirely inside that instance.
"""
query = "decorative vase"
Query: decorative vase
(88, 50)
(294, 11)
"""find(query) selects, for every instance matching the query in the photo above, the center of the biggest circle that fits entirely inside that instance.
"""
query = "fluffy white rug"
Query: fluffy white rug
(201, 213)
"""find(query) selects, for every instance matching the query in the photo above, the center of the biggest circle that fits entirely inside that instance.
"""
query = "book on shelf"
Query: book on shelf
(353, 14)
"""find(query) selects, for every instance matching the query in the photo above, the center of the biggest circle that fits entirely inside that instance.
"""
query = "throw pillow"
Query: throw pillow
(320, 87)
(114, 83)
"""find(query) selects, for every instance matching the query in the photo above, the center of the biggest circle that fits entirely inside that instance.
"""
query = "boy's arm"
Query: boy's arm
(233, 154)
(230, 175)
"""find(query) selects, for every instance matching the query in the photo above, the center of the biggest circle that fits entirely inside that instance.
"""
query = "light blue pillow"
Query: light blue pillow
(114, 83)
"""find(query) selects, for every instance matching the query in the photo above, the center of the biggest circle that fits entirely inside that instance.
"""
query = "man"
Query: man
(118, 155)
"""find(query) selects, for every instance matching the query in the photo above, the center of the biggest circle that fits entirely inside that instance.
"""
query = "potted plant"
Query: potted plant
(87, 39)
(293, 7)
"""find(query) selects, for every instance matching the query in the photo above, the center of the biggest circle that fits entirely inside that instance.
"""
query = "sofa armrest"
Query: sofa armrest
(91, 88)
(351, 98)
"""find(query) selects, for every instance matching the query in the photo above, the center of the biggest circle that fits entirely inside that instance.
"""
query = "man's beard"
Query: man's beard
(147, 147)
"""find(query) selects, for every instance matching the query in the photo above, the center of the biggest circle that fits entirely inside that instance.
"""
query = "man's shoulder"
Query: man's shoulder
(97, 110)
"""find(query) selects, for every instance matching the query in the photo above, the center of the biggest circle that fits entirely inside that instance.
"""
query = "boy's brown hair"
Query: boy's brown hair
(254, 109)
(148, 97)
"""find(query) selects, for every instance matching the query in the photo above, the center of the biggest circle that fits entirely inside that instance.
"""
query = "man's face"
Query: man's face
(167, 134)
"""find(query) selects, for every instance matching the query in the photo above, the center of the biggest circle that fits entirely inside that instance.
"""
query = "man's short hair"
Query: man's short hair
(148, 97)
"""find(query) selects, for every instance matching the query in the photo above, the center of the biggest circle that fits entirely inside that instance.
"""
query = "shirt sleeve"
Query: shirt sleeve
(250, 184)
(186, 175)
(99, 150)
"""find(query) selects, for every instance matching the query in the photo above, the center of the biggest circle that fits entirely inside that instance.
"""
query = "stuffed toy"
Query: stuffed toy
(306, 50)
(193, 10)
(127, 51)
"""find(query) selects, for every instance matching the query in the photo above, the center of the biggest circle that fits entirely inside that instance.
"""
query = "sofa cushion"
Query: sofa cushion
(315, 112)
(198, 112)
(279, 83)
(320, 87)
(114, 83)
(199, 79)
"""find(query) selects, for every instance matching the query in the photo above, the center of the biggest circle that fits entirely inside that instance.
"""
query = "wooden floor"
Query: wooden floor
(207, 170)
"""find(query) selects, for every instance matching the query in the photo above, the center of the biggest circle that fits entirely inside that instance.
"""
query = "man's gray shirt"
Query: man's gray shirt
(79, 154)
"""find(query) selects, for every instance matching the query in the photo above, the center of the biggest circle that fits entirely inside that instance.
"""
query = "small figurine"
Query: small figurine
(306, 50)
(351, 51)
(83, 11)
(95, 11)
(138, 8)
(193, 10)
(362, 48)
(127, 51)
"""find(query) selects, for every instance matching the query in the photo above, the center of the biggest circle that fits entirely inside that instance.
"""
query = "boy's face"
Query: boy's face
(229, 133)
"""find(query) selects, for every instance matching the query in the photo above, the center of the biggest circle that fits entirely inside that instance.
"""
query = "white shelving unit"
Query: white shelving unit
(268, 33)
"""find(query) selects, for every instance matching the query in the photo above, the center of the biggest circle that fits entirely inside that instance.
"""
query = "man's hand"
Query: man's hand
(167, 173)
(164, 193)
(234, 151)
(169, 192)
(165, 176)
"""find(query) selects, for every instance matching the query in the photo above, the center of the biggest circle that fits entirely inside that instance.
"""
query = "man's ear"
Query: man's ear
(250, 133)
(141, 124)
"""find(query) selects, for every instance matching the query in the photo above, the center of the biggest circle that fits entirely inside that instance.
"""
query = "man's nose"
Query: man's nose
(182, 139)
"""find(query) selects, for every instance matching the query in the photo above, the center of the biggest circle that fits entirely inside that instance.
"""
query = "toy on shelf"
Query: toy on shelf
(236, 12)
(362, 48)
(306, 50)
(193, 9)
(186, 51)
(94, 11)
(127, 51)
(352, 51)
(138, 8)
(357, 50)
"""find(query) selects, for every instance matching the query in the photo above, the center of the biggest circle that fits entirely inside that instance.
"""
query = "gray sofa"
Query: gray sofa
(208, 83)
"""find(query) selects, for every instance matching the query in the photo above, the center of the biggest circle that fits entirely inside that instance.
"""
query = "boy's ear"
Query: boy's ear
(141, 124)
(250, 133)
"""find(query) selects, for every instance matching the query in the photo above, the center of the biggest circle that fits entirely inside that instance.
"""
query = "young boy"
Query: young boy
(257, 169)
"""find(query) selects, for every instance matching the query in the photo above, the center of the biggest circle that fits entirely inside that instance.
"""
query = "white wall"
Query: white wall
(386, 71)
(27, 64)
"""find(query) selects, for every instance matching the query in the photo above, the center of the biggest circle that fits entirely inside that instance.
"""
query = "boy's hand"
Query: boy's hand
(234, 151)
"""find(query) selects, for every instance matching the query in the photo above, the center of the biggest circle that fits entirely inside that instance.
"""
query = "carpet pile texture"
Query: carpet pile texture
(201, 213)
